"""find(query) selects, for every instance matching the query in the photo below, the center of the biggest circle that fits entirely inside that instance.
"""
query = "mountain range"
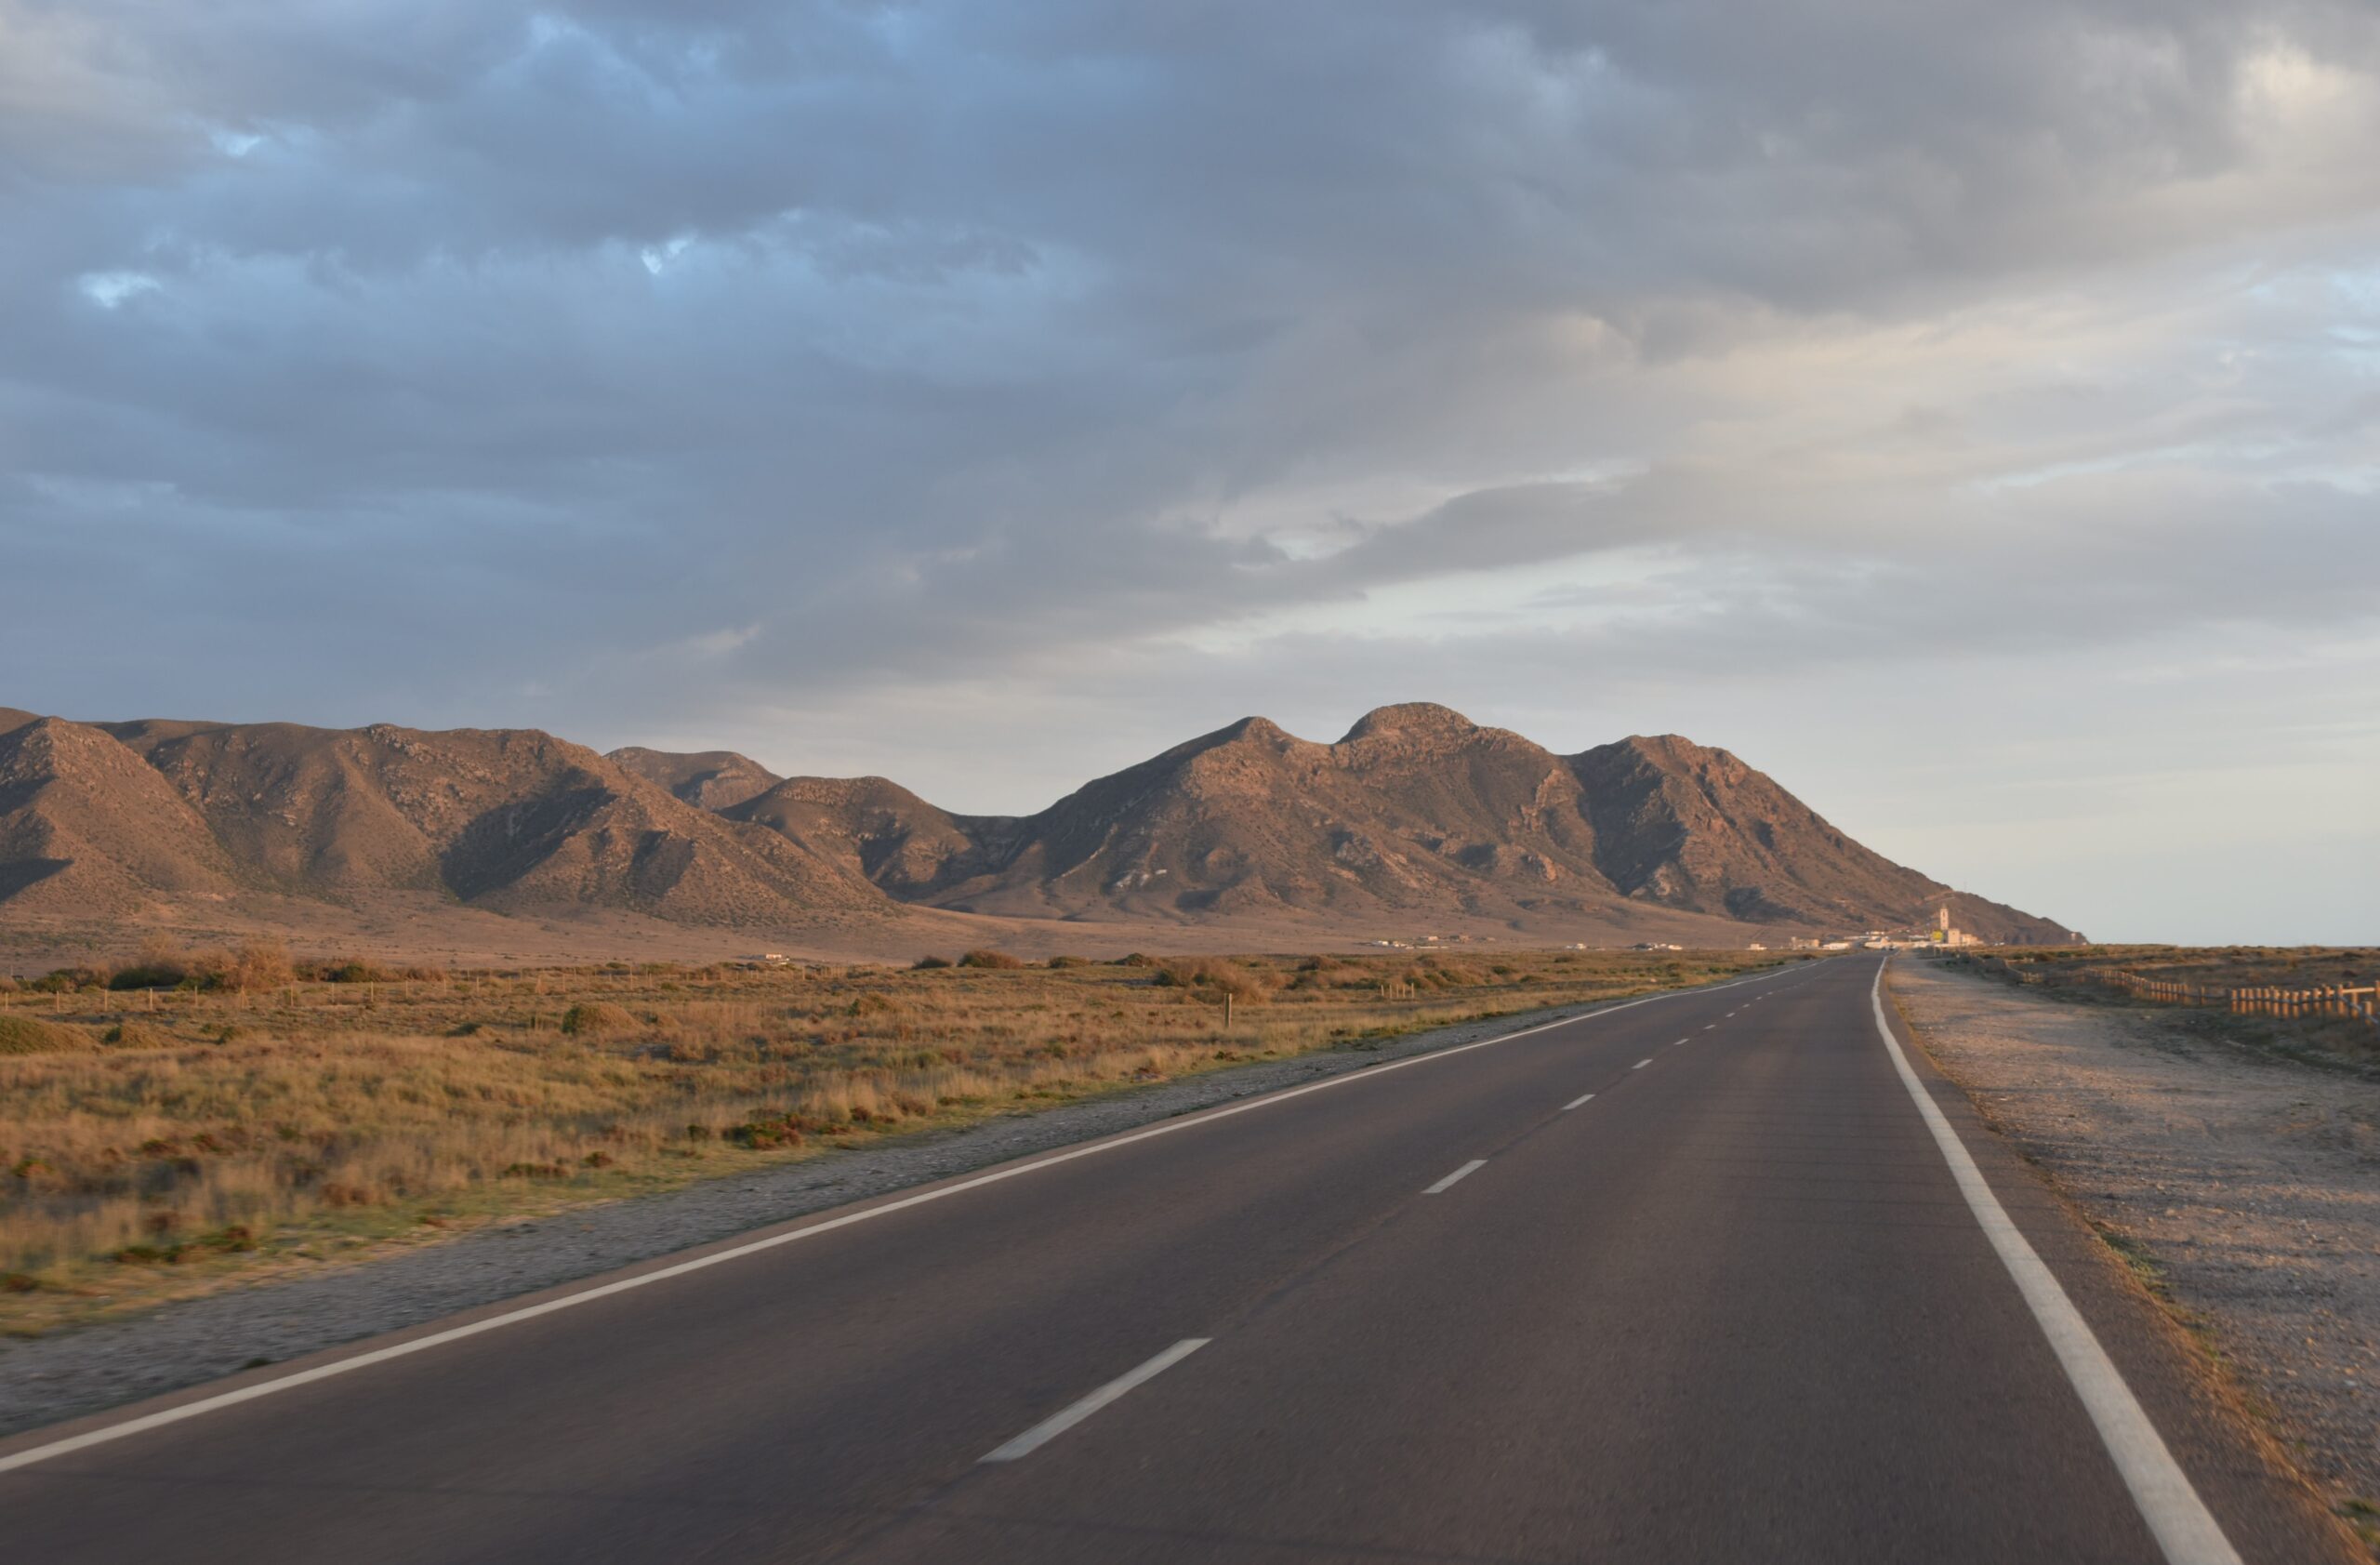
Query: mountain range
(1417, 817)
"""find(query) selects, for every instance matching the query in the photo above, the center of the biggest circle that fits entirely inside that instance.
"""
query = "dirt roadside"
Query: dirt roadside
(2244, 1188)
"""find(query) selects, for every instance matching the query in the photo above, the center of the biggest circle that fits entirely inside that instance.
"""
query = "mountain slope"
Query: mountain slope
(85, 828)
(878, 830)
(1416, 809)
(710, 779)
(505, 819)
(1695, 828)
(1416, 812)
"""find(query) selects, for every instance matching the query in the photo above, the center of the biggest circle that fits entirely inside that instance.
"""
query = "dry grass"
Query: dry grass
(2077, 973)
(230, 1130)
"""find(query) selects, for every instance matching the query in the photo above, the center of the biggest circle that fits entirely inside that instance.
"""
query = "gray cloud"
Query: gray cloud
(821, 378)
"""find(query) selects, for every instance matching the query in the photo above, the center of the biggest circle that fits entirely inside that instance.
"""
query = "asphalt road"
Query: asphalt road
(1734, 1303)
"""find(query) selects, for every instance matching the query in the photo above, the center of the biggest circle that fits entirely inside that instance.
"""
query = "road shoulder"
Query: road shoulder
(2232, 1196)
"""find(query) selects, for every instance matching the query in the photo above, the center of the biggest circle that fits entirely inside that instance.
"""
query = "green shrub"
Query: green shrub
(768, 1129)
(69, 980)
(1216, 972)
(148, 976)
(984, 956)
(926, 961)
(597, 1015)
(350, 970)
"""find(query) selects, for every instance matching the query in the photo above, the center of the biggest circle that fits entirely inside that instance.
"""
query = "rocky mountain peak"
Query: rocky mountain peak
(1419, 721)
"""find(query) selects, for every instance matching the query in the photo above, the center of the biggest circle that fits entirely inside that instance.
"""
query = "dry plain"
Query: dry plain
(191, 1120)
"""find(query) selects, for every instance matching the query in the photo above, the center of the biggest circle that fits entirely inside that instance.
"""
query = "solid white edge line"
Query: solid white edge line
(1580, 1101)
(1474, 1166)
(164, 1416)
(1067, 1418)
(2186, 1530)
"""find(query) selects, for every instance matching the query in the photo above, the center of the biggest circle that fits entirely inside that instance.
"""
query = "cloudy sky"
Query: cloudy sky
(1969, 412)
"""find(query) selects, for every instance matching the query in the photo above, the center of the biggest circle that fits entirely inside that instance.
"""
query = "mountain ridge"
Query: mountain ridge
(1415, 810)
(1415, 815)
(505, 820)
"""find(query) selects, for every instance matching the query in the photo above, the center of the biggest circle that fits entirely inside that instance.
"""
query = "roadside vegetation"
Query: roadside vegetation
(2082, 975)
(190, 1119)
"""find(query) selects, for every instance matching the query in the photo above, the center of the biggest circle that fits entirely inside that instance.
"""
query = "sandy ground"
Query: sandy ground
(2248, 1187)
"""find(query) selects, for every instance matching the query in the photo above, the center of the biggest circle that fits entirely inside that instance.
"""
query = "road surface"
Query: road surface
(1689, 1280)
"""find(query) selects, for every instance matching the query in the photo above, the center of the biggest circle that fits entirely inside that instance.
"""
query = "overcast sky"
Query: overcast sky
(1969, 413)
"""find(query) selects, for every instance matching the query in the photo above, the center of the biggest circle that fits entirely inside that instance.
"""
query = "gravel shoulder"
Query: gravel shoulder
(65, 1374)
(2245, 1188)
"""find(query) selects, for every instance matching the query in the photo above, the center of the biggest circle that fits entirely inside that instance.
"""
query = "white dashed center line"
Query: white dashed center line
(1059, 1423)
(1474, 1166)
(1640, 1064)
(1588, 1098)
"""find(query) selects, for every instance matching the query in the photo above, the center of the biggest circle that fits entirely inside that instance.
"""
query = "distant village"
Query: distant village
(1944, 933)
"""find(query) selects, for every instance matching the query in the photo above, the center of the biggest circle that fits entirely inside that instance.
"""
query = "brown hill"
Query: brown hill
(711, 779)
(880, 831)
(1417, 812)
(1697, 829)
(85, 828)
(508, 819)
